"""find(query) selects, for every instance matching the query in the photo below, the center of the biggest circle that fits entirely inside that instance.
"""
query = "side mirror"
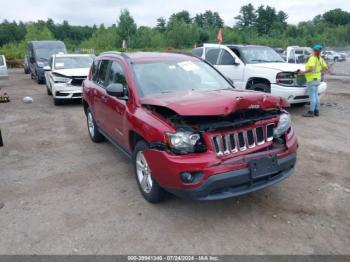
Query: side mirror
(234, 62)
(32, 60)
(116, 90)
(47, 68)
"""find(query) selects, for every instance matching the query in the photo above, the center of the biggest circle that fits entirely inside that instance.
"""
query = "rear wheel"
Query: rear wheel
(148, 186)
(95, 135)
(26, 71)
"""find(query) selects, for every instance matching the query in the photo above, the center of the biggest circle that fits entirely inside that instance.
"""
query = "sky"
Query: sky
(146, 12)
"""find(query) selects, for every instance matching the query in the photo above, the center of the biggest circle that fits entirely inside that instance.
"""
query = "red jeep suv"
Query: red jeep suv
(186, 129)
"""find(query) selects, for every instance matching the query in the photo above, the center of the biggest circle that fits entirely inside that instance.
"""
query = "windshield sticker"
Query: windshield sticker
(59, 64)
(188, 66)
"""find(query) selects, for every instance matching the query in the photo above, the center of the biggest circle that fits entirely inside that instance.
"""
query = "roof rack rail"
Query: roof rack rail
(110, 52)
(181, 53)
(123, 54)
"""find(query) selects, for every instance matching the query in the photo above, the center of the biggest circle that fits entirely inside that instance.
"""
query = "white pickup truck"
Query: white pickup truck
(258, 68)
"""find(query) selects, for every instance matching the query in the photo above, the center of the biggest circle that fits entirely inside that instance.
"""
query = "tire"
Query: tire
(150, 189)
(26, 71)
(94, 134)
(262, 87)
(336, 59)
(40, 81)
(49, 93)
(57, 102)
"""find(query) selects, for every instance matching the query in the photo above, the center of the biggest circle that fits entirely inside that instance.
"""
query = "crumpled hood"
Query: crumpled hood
(73, 72)
(285, 67)
(211, 103)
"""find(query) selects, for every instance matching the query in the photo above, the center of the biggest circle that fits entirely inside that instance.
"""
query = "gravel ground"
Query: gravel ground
(62, 194)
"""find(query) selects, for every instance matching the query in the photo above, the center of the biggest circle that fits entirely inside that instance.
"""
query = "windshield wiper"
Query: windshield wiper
(43, 58)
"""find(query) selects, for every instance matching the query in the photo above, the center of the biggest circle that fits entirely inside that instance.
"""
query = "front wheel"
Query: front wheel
(48, 90)
(262, 87)
(95, 135)
(148, 186)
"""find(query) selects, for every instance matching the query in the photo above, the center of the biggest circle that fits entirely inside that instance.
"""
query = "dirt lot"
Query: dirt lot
(62, 194)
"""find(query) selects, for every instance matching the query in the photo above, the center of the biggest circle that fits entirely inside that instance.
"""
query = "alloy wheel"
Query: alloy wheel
(91, 124)
(144, 173)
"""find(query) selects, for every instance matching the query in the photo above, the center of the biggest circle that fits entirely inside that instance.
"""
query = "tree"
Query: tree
(183, 16)
(38, 31)
(337, 17)
(247, 17)
(161, 24)
(181, 35)
(149, 38)
(126, 26)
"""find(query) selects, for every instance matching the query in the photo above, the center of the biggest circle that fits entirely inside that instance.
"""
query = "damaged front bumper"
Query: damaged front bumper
(221, 178)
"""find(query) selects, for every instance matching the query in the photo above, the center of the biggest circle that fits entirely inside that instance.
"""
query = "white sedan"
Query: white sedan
(65, 75)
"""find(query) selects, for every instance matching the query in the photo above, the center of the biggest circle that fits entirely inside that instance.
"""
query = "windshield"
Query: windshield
(46, 53)
(73, 62)
(260, 54)
(160, 77)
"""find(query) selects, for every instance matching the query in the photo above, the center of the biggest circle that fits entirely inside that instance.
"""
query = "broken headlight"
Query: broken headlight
(283, 125)
(285, 78)
(182, 142)
(60, 79)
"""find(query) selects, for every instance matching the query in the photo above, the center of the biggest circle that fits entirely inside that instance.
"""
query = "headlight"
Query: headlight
(182, 142)
(283, 125)
(285, 78)
(59, 79)
(40, 64)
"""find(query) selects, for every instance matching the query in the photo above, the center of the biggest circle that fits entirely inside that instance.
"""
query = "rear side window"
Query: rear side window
(212, 55)
(116, 74)
(102, 73)
(226, 58)
(198, 51)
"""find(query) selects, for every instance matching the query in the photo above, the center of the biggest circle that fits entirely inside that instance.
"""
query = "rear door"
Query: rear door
(231, 66)
(99, 94)
(3, 67)
(116, 107)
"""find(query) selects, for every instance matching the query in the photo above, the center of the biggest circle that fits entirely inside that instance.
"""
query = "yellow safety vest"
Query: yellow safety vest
(318, 64)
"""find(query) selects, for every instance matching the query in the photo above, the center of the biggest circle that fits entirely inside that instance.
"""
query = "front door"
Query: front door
(231, 66)
(116, 107)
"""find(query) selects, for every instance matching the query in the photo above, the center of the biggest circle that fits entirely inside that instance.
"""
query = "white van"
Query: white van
(3, 68)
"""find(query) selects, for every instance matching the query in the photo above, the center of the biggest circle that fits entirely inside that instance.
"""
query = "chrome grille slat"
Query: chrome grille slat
(241, 140)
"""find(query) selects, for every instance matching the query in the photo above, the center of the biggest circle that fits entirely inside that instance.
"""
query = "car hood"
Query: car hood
(286, 67)
(211, 103)
(72, 72)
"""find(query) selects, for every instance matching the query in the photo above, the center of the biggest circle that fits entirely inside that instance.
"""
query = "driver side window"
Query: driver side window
(116, 75)
(226, 58)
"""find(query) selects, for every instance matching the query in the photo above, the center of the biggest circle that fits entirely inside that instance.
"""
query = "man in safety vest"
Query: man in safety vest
(314, 68)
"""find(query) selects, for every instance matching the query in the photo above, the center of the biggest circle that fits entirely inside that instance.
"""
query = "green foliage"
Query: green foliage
(38, 32)
(263, 25)
(126, 27)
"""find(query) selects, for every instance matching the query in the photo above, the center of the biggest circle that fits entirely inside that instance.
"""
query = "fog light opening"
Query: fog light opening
(190, 177)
